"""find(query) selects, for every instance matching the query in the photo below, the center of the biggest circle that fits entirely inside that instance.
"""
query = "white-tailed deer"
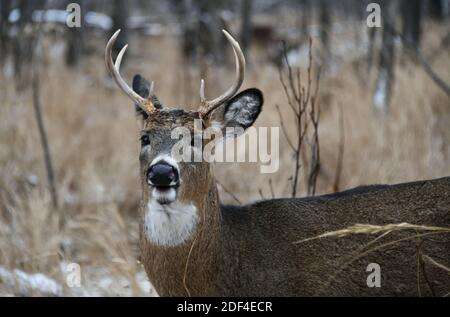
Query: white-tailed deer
(192, 245)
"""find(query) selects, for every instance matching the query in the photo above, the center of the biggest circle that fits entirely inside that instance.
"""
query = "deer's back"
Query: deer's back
(259, 256)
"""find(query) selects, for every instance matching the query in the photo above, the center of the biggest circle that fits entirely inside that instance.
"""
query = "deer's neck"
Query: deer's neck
(189, 268)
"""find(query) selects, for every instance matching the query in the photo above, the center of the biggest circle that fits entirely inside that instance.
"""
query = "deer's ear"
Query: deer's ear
(142, 87)
(239, 112)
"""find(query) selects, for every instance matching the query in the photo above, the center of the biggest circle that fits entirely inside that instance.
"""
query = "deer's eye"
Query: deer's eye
(145, 140)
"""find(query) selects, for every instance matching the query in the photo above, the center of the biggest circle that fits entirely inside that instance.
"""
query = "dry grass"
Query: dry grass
(419, 231)
(93, 138)
(372, 229)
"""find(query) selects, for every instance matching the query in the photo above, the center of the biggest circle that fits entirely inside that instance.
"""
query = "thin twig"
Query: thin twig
(379, 247)
(40, 122)
(421, 59)
(435, 263)
(429, 70)
(297, 155)
(261, 194)
(272, 192)
(373, 229)
(419, 247)
(229, 193)
(425, 275)
(315, 146)
(421, 268)
(353, 254)
(280, 74)
(283, 128)
(340, 158)
(306, 113)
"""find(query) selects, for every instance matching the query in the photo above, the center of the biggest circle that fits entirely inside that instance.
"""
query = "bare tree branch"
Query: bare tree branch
(229, 192)
(422, 60)
(272, 193)
(261, 194)
(340, 159)
(283, 128)
(40, 122)
(306, 117)
(430, 72)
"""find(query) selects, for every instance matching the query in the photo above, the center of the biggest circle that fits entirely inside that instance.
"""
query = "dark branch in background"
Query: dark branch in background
(325, 19)
(385, 78)
(340, 159)
(22, 48)
(229, 193)
(120, 16)
(430, 72)
(75, 39)
(272, 192)
(422, 60)
(40, 122)
(421, 268)
(436, 264)
(261, 194)
(370, 54)
(283, 128)
(246, 26)
(411, 12)
(314, 117)
(306, 114)
(5, 8)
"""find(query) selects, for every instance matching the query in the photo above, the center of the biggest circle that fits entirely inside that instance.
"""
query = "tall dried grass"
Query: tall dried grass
(93, 137)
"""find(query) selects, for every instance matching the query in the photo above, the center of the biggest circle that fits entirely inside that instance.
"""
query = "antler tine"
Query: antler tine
(119, 61)
(209, 105)
(114, 68)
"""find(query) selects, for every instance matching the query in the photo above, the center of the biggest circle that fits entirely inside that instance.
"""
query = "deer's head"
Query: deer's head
(174, 190)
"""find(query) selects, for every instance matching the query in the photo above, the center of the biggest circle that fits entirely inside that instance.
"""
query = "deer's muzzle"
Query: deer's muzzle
(163, 175)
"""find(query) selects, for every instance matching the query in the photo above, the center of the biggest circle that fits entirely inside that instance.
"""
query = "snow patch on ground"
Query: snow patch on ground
(28, 284)
(95, 282)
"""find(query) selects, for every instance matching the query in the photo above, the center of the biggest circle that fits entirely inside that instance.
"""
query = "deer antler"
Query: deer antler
(113, 68)
(209, 105)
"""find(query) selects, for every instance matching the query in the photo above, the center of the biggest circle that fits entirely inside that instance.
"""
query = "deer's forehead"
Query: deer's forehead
(170, 119)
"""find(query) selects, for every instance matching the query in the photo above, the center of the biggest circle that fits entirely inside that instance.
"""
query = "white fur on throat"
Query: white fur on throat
(167, 196)
(169, 225)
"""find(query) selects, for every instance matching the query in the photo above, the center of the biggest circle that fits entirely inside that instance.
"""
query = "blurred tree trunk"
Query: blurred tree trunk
(359, 8)
(75, 42)
(211, 40)
(325, 28)
(201, 40)
(5, 8)
(412, 23)
(246, 25)
(201, 24)
(22, 44)
(439, 9)
(306, 12)
(385, 79)
(120, 16)
(370, 54)
(183, 9)
(37, 106)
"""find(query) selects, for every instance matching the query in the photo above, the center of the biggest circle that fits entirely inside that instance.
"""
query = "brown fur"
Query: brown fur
(249, 250)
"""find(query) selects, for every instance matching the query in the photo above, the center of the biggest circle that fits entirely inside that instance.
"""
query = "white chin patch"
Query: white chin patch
(165, 196)
(171, 224)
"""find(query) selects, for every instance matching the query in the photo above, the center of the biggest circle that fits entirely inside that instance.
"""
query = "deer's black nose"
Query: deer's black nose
(162, 175)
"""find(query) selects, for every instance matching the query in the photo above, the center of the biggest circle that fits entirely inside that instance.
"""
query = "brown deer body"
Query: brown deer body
(193, 246)
(249, 250)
